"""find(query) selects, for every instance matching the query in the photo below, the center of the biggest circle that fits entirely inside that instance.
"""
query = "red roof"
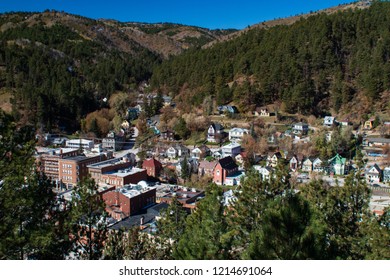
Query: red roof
(151, 163)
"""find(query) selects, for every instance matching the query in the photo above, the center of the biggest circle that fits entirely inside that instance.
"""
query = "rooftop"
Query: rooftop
(125, 172)
(133, 190)
(106, 163)
(231, 146)
(149, 215)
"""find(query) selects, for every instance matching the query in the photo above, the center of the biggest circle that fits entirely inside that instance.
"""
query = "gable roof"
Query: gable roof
(227, 163)
(376, 167)
(337, 159)
(208, 165)
(217, 126)
(151, 163)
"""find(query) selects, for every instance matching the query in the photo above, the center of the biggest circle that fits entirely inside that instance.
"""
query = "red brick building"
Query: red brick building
(72, 170)
(129, 200)
(47, 161)
(96, 170)
(153, 167)
(225, 167)
(122, 177)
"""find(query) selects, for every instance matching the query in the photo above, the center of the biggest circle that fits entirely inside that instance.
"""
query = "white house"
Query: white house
(231, 149)
(386, 175)
(215, 133)
(318, 166)
(300, 128)
(329, 121)
(236, 134)
(374, 174)
(307, 165)
(217, 154)
(171, 152)
(265, 172)
(76, 143)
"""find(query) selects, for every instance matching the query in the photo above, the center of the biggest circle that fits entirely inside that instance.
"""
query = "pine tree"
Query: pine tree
(205, 235)
(287, 232)
(88, 221)
(185, 172)
(28, 215)
(171, 225)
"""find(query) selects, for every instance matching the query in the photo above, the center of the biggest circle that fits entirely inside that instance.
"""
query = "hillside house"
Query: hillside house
(265, 172)
(374, 174)
(224, 168)
(295, 162)
(369, 124)
(329, 121)
(376, 142)
(307, 165)
(273, 159)
(231, 150)
(206, 168)
(318, 165)
(167, 135)
(215, 133)
(300, 128)
(227, 109)
(386, 175)
(336, 165)
(236, 134)
(200, 152)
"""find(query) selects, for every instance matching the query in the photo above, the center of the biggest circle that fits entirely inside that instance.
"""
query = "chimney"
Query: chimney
(142, 220)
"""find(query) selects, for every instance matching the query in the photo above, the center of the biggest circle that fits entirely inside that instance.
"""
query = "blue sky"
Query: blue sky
(205, 13)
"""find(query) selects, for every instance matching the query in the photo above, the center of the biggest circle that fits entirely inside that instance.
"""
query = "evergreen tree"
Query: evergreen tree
(181, 129)
(287, 232)
(28, 214)
(185, 172)
(88, 221)
(205, 237)
(171, 225)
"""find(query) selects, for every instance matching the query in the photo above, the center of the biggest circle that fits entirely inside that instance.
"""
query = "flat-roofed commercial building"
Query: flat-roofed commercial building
(128, 200)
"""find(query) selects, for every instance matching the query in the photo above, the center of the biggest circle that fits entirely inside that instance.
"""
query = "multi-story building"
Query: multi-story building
(97, 169)
(236, 134)
(77, 143)
(113, 141)
(72, 170)
(153, 167)
(215, 133)
(122, 177)
(47, 160)
(128, 200)
(231, 150)
(224, 168)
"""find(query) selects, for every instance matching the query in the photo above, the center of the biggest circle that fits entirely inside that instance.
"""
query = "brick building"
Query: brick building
(224, 168)
(127, 201)
(96, 170)
(47, 160)
(72, 170)
(122, 177)
(153, 167)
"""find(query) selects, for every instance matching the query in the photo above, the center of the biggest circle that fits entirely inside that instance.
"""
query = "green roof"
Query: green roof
(337, 159)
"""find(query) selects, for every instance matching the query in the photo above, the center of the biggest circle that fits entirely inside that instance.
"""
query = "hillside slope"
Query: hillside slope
(59, 67)
(316, 65)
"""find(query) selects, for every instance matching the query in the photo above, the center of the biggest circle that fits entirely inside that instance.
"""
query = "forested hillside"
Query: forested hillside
(57, 67)
(317, 64)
